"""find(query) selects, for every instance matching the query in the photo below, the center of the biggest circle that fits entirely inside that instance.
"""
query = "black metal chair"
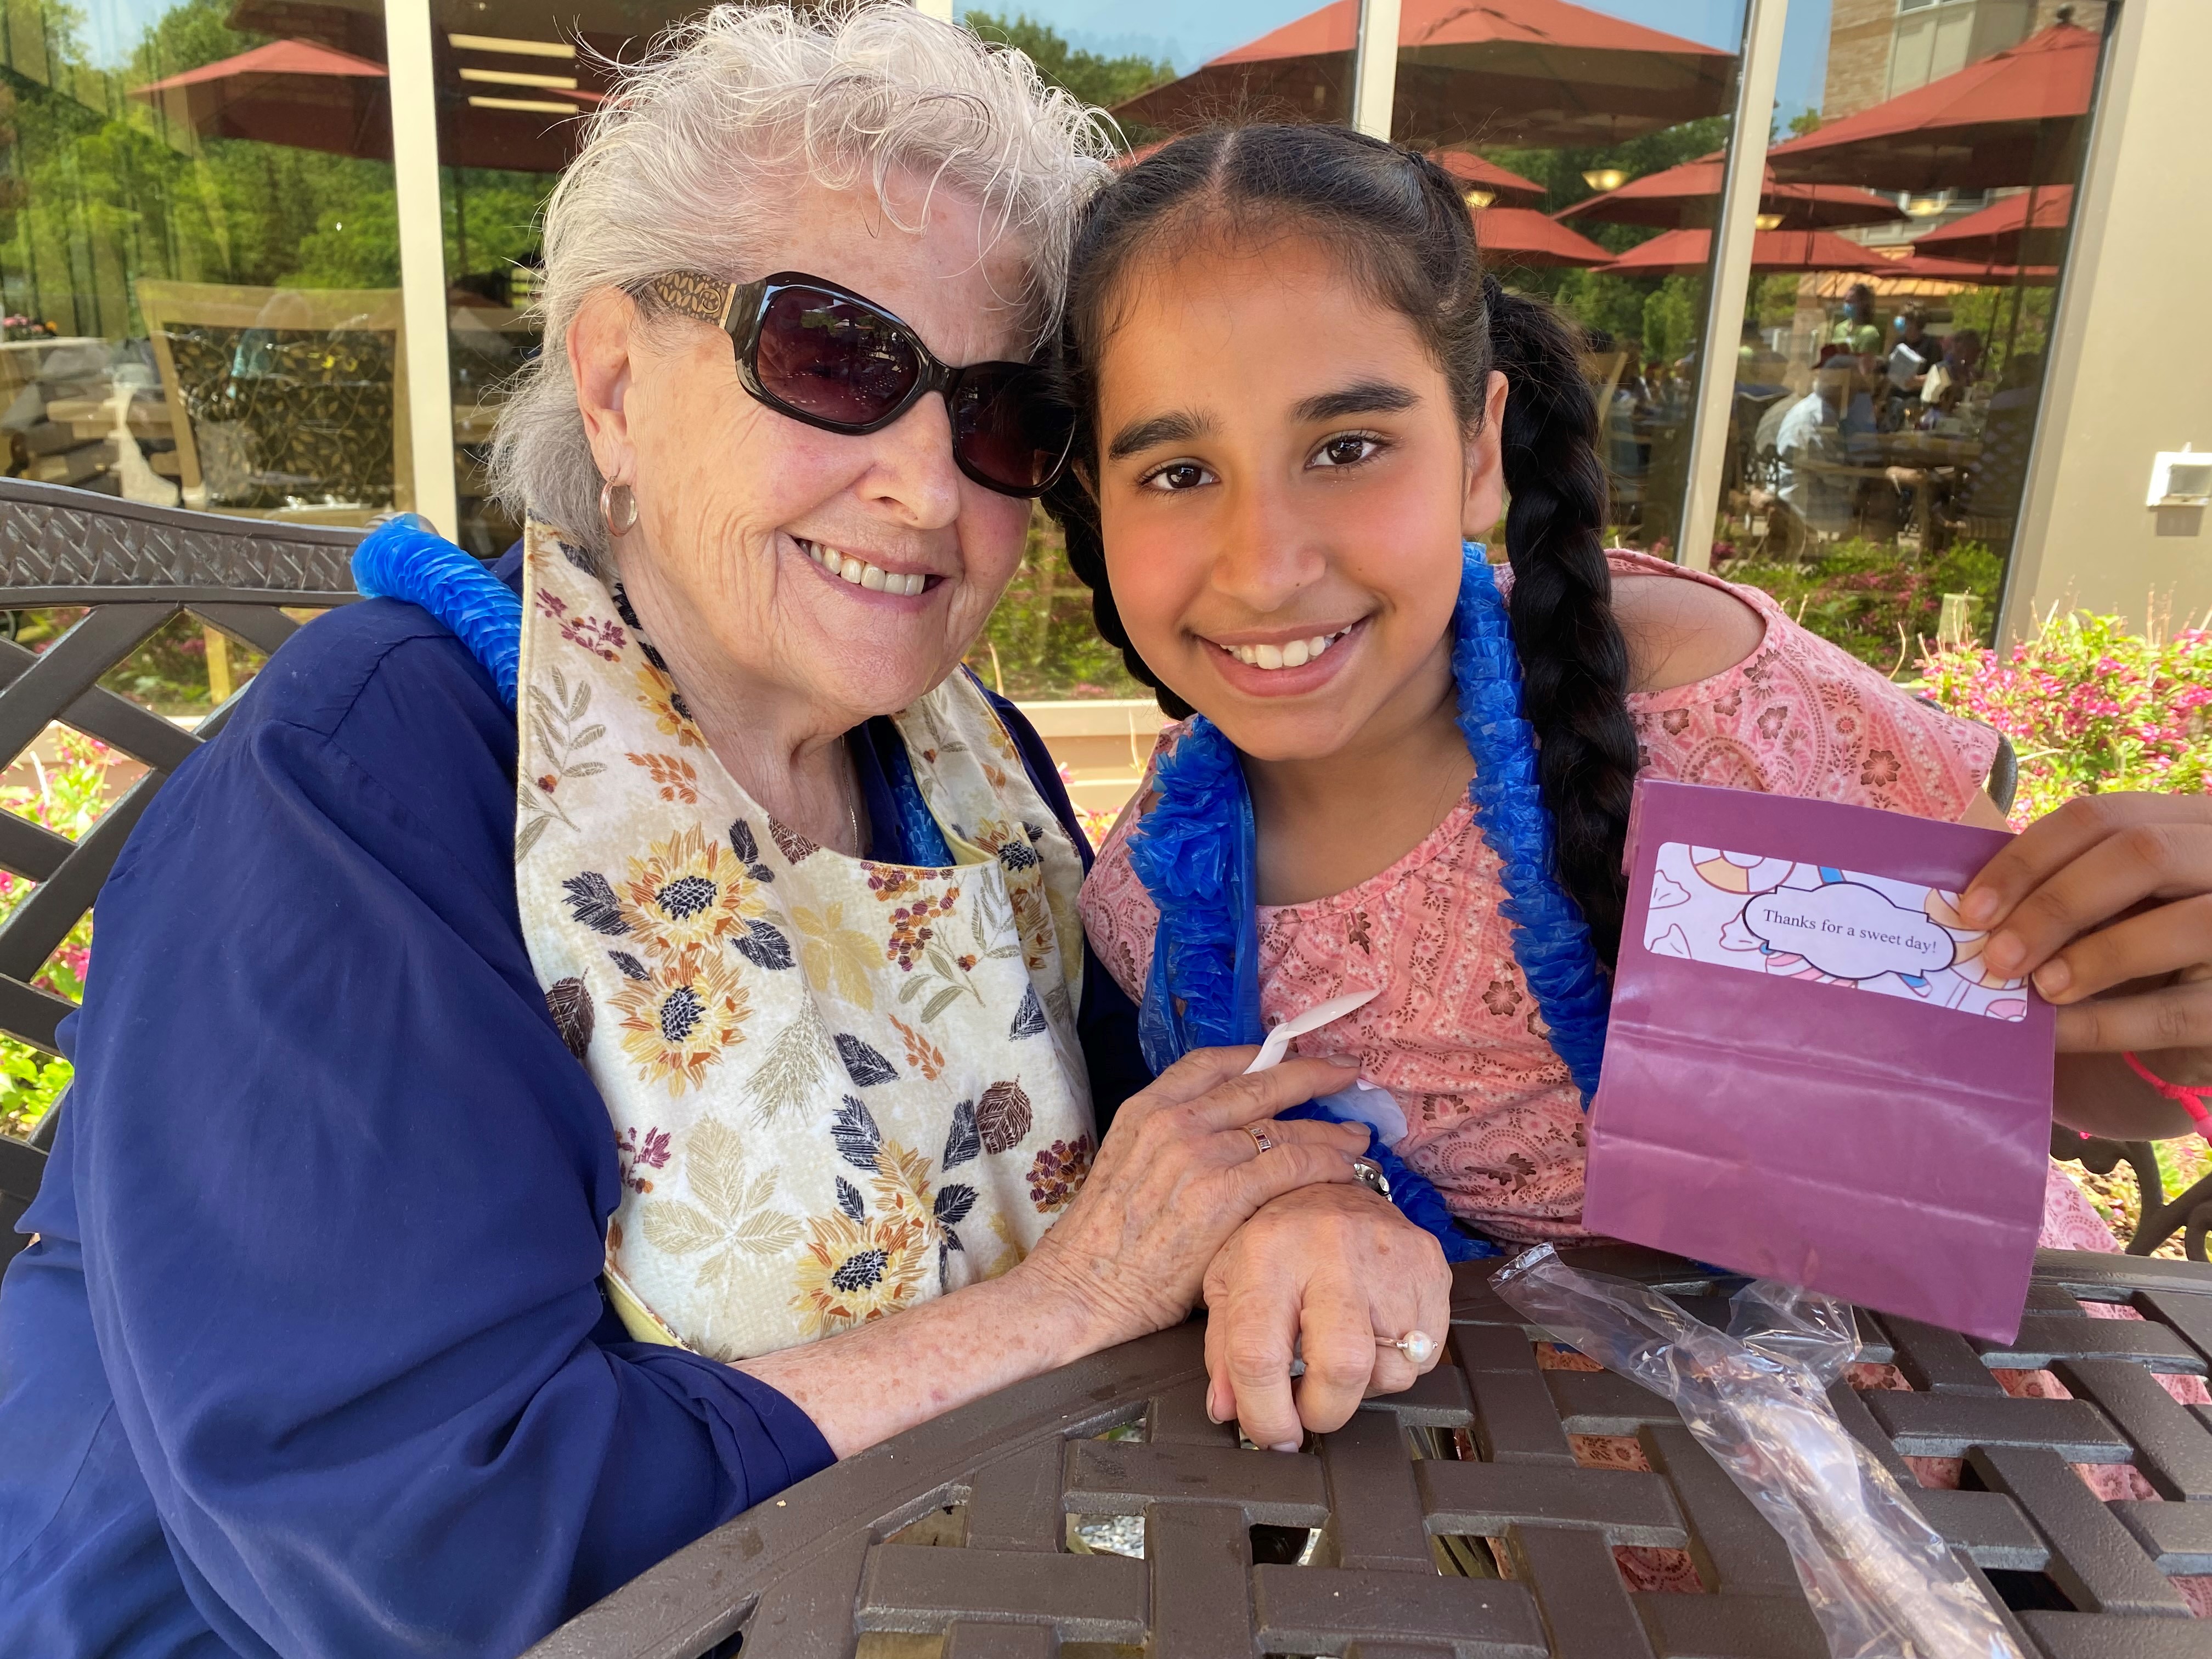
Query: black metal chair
(133, 569)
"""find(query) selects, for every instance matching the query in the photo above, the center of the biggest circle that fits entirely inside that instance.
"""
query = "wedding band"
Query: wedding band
(1419, 1346)
(1260, 1137)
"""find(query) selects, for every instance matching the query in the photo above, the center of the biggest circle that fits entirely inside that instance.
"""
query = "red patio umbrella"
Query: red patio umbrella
(1505, 189)
(1540, 72)
(2016, 118)
(1522, 236)
(1677, 253)
(288, 92)
(313, 96)
(1981, 273)
(1690, 194)
(2029, 226)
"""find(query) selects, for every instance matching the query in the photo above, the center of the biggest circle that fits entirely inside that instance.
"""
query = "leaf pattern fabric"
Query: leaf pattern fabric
(820, 1072)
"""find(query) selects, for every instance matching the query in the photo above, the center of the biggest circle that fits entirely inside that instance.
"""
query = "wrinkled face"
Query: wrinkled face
(741, 509)
(1283, 485)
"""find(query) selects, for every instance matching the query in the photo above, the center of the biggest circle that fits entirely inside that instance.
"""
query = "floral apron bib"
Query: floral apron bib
(837, 1087)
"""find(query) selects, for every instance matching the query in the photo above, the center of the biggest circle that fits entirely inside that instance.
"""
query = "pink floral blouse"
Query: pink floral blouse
(1491, 1117)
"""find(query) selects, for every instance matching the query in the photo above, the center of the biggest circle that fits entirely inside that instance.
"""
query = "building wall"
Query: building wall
(1876, 52)
(1858, 56)
(2131, 362)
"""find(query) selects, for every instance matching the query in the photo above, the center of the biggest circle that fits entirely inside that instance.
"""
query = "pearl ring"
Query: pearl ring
(1419, 1346)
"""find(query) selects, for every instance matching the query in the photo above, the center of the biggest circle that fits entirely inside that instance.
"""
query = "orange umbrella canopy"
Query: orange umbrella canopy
(1522, 236)
(2018, 116)
(1540, 72)
(288, 92)
(1505, 189)
(1690, 194)
(1674, 252)
(1979, 273)
(2031, 226)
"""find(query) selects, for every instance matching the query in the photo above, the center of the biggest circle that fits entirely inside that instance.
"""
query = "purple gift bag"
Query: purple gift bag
(1809, 1076)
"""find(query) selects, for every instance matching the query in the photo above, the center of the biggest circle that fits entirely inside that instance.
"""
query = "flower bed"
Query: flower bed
(67, 799)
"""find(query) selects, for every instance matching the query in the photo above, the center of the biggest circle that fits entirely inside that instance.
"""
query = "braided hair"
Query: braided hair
(1398, 221)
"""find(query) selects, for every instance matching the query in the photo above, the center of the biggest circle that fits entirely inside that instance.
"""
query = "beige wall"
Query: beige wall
(2131, 364)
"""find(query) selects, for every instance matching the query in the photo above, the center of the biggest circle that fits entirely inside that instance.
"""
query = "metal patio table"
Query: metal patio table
(953, 1538)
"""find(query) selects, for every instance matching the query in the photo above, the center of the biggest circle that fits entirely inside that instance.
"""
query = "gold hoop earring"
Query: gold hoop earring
(611, 505)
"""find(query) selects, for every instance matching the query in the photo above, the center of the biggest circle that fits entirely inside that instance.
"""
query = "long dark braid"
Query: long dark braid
(1398, 220)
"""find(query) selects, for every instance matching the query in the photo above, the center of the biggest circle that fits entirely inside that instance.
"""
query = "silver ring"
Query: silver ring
(1260, 1137)
(1370, 1175)
(1419, 1346)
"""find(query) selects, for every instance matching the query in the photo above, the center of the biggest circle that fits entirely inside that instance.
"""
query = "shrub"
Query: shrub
(1879, 605)
(2089, 707)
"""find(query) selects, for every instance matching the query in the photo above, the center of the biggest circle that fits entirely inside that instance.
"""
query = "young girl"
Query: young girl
(1301, 395)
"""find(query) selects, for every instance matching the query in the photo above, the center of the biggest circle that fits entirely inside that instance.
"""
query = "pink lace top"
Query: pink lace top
(1491, 1115)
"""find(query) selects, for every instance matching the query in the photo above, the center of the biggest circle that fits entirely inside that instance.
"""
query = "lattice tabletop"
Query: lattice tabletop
(1455, 1519)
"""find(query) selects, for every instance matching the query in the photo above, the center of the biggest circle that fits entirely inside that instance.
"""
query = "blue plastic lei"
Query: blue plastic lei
(405, 559)
(1194, 853)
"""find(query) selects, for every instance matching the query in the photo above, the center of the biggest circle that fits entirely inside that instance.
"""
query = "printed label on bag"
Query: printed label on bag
(1809, 921)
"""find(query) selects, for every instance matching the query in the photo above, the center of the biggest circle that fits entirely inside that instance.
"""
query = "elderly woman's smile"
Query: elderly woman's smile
(741, 509)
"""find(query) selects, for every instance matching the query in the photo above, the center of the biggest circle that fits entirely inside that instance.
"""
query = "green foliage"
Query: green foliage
(1672, 313)
(1040, 642)
(1876, 602)
(1104, 82)
(2090, 707)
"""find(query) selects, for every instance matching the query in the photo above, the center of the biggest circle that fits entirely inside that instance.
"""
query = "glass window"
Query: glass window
(1887, 390)
(1593, 163)
(198, 257)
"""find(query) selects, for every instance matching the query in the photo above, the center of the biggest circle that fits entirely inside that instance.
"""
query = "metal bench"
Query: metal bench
(134, 569)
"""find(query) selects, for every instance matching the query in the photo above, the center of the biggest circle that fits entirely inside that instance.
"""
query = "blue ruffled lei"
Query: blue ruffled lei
(1196, 852)
(404, 559)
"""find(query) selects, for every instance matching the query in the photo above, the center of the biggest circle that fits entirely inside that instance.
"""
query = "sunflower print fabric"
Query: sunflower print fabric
(836, 1087)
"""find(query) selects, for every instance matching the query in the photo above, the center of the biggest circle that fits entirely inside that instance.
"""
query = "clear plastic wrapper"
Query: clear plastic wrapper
(1882, 1582)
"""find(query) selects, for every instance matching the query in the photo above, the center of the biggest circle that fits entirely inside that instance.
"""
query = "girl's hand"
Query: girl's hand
(1340, 1274)
(2107, 904)
(1177, 1174)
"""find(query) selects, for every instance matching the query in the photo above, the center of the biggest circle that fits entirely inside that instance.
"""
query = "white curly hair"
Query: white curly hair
(685, 165)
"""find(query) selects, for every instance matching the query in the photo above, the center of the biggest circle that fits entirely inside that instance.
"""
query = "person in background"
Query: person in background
(1856, 329)
(1916, 352)
(1812, 429)
(1953, 371)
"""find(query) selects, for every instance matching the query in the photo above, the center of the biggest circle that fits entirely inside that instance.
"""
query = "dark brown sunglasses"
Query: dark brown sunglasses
(823, 355)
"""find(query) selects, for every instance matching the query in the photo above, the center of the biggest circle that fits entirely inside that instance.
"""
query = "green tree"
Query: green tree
(1104, 82)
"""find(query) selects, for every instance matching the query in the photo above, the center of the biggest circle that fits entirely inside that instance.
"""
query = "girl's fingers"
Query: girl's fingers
(2053, 842)
(2145, 860)
(2160, 941)
(2178, 1017)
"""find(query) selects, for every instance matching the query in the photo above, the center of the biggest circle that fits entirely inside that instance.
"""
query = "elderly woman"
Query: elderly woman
(354, 1325)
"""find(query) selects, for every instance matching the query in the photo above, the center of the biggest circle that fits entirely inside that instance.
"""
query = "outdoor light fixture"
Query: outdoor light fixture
(1769, 222)
(1926, 207)
(2180, 477)
(1605, 177)
(1479, 199)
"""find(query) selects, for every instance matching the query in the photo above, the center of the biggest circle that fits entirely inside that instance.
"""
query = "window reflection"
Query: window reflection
(1885, 401)
(200, 258)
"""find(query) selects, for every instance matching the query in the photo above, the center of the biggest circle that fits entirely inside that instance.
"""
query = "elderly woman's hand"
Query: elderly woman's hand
(2107, 903)
(1177, 1174)
(1339, 1273)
